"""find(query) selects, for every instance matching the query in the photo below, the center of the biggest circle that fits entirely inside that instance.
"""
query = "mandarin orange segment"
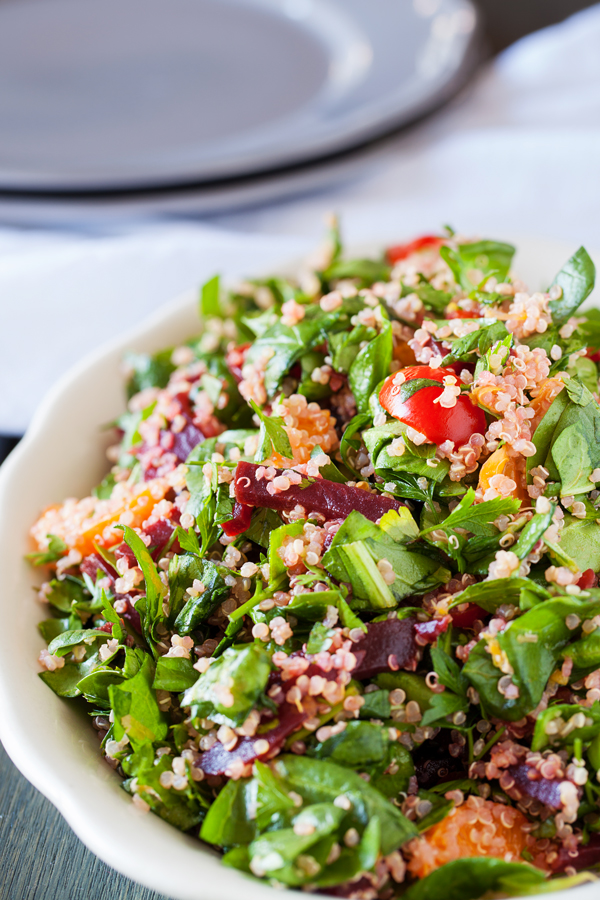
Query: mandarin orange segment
(476, 828)
(502, 463)
(546, 394)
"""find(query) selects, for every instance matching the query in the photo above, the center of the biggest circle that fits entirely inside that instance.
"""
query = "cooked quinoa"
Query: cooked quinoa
(334, 608)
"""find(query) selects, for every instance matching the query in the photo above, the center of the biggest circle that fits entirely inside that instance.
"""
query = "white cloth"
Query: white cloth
(516, 154)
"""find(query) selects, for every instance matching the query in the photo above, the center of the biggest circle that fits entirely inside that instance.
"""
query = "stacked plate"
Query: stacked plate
(205, 104)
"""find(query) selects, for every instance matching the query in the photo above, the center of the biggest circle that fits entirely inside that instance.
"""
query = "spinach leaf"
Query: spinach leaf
(533, 532)
(228, 820)
(493, 593)
(136, 710)
(174, 673)
(449, 672)
(184, 809)
(478, 518)
(243, 672)
(471, 878)
(95, 686)
(442, 705)
(488, 333)
(150, 607)
(148, 370)
(263, 522)
(319, 781)
(563, 716)
(65, 681)
(344, 346)
(532, 645)
(362, 746)
(576, 278)
(485, 258)
(580, 539)
(272, 436)
(353, 556)
(366, 271)
(349, 441)
(209, 305)
(186, 612)
(370, 367)
(56, 548)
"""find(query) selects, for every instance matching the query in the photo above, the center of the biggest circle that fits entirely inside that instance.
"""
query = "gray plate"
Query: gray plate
(100, 95)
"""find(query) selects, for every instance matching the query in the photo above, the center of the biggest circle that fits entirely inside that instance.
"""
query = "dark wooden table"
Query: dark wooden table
(40, 857)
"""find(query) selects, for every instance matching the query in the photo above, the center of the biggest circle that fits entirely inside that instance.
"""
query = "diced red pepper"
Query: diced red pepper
(330, 499)
(401, 251)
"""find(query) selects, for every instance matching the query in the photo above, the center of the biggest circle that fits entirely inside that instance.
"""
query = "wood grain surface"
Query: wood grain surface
(42, 859)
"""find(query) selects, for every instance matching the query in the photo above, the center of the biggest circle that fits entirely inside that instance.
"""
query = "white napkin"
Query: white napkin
(518, 153)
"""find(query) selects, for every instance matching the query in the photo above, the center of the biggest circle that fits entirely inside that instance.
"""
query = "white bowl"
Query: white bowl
(47, 738)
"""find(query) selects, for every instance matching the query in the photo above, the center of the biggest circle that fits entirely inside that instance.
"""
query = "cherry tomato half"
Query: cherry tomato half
(401, 251)
(420, 411)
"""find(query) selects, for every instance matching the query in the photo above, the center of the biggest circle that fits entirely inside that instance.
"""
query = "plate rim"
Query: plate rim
(366, 124)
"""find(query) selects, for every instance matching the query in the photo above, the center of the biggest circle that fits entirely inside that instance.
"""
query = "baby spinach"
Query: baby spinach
(489, 332)
(187, 612)
(232, 685)
(370, 367)
(149, 607)
(148, 370)
(174, 673)
(136, 711)
(565, 711)
(532, 661)
(576, 278)
(272, 436)
(471, 878)
(56, 549)
(209, 303)
(486, 258)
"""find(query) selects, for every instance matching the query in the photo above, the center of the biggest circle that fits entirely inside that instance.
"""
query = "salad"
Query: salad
(334, 609)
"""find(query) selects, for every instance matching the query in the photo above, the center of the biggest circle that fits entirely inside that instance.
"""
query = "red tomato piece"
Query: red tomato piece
(401, 251)
(422, 413)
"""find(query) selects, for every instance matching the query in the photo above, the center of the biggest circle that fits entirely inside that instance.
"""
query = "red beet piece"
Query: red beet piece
(332, 500)
(588, 855)
(160, 534)
(216, 760)
(541, 789)
(90, 565)
(392, 641)
(240, 522)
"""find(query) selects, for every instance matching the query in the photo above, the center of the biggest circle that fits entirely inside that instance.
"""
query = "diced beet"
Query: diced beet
(466, 618)
(217, 760)
(107, 627)
(330, 499)
(588, 856)
(240, 522)
(90, 565)
(160, 533)
(429, 632)
(360, 887)
(387, 646)
(186, 440)
(131, 615)
(539, 788)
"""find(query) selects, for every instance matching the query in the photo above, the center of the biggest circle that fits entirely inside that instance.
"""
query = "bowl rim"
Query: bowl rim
(99, 832)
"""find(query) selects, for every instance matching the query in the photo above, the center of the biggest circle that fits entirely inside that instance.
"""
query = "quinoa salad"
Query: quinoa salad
(334, 609)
